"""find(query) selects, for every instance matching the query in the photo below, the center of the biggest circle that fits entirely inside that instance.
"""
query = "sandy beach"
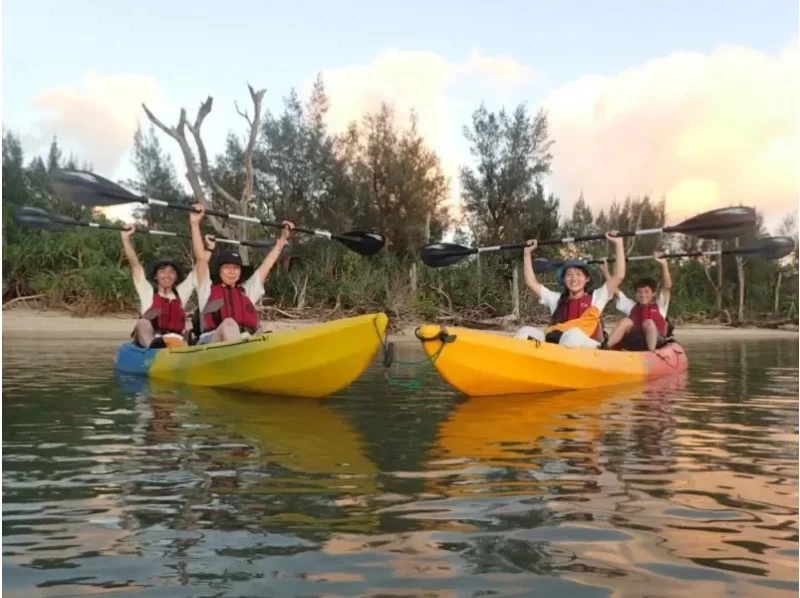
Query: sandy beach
(31, 323)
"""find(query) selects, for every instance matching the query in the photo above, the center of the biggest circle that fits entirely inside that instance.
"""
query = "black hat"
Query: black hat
(230, 257)
(158, 264)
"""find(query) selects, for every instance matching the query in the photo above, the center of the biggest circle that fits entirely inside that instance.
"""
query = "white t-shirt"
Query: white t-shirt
(550, 298)
(252, 287)
(625, 304)
(146, 292)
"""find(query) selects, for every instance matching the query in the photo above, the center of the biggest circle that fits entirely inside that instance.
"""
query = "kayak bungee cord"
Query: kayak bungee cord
(387, 350)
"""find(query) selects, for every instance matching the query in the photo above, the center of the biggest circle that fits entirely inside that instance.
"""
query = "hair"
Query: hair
(646, 282)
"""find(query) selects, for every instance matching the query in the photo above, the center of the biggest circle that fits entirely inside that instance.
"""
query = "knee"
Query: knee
(649, 325)
(626, 324)
(143, 325)
(230, 325)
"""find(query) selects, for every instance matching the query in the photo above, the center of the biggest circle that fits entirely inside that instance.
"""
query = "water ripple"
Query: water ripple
(398, 487)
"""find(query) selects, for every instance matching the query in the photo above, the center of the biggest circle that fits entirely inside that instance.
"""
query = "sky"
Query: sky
(692, 101)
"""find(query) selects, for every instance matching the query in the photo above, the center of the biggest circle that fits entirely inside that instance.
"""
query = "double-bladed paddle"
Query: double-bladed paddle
(723, 223)
(89, 189)
(763, 248)
(40, 218)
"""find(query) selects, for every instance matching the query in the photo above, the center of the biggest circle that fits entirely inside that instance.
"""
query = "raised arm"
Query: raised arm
(604, 269)
(616, 279)
(272, 257)
(201, 255)
(527, 268)
(130, 253)
(666, 279)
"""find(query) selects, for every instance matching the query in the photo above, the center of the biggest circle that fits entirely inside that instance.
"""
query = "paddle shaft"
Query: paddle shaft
(714, 252)
(584, 238)
(162, 233)
(228, 216)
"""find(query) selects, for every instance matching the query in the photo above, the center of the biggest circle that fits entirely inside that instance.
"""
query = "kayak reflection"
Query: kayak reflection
(296, 462)
(541, 443)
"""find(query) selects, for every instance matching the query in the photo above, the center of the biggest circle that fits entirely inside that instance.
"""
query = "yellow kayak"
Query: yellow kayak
(484, 364)
(313, 361)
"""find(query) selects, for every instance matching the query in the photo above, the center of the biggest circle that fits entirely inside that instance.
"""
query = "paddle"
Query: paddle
(42, 219)
(88, 189)
(45, 220)
(723, 223)
(764, 248)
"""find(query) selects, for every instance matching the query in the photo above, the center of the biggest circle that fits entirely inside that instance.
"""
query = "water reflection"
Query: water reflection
(400, 487)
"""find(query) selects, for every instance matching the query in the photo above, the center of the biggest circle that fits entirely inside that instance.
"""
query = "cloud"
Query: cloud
(97, 120)
(702, 130)
(424, 82)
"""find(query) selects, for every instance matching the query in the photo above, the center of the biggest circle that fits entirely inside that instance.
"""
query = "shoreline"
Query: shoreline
(23, 322)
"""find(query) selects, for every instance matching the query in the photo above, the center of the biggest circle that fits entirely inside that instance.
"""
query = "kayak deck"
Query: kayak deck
(313, 361)
(483, 364)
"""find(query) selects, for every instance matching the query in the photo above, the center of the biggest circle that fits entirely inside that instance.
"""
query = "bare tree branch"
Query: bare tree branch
(242, 114)
(202, 112)
(179, 134)
(195, 178)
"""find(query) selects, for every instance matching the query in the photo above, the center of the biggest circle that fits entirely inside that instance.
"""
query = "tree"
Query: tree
(502, 197)
(200, 176)
(54, 156)
(397, 181)
(156, 178)
(295, 162)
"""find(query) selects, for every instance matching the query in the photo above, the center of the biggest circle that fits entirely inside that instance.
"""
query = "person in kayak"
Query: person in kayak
(645, 327)
(163, 291)
(575, 312)
(238, 317)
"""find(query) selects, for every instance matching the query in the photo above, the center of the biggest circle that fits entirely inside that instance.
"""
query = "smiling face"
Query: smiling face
(575, 280)
(229, 274)
(166, 277)
(644, 295)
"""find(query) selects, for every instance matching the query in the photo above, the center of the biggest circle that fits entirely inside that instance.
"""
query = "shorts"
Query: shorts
(159, 340)
(636, 341)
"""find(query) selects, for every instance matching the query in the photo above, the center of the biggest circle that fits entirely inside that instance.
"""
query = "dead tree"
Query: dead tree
(201, 176)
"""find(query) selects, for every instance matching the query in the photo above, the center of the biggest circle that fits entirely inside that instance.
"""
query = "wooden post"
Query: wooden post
(515, 293)
(478, 260)
(413, 276)
(777, 293)
(719, 277)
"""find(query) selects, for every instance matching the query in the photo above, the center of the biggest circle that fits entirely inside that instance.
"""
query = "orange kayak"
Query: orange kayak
(481, 363)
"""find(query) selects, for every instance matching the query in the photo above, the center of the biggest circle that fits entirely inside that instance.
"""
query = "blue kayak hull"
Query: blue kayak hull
(133, 359)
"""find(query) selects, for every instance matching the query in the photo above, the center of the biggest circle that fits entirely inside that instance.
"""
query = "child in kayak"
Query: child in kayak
(645, 327)
(575, 312)
(237, 317)
(163, 291)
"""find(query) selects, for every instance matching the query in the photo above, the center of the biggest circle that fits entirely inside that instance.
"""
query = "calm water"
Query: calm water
(398, 487)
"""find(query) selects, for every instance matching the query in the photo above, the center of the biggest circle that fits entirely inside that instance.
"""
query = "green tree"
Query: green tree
(54, 156)
(397, 181)
(155, 177)
(502, 195)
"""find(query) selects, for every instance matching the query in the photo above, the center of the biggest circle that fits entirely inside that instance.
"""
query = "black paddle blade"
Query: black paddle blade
(364, 243)
(723, 223)
(89, 189)
(768, 248)
(42, 219)
(444, 254)
(545, 266)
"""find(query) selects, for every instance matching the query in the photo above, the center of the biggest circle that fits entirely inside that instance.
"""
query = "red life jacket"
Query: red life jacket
(237, 306)
(640, 313)
(572, 309)
(172, 317)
